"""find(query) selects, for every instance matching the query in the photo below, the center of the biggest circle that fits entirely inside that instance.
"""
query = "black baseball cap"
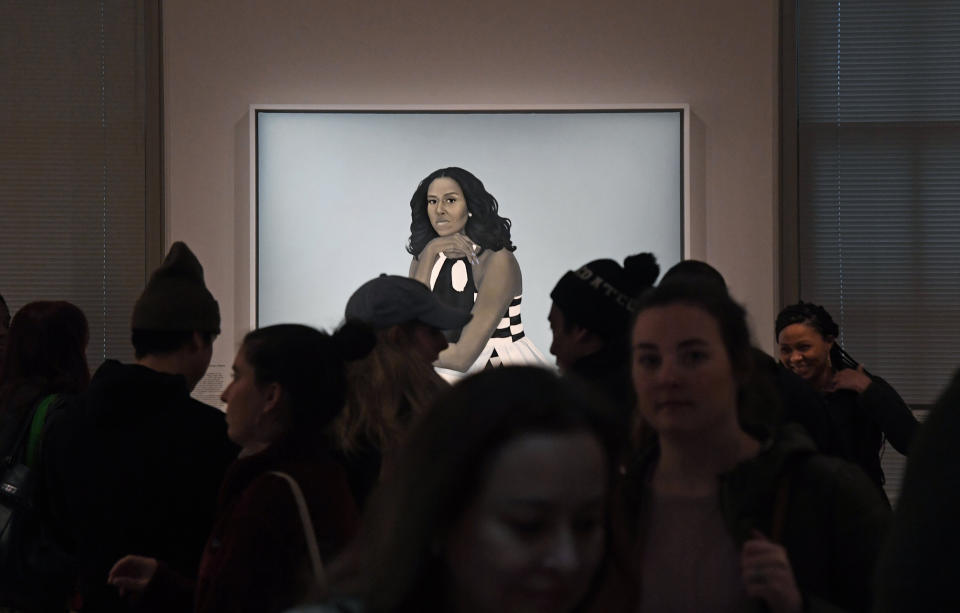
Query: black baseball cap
(389, 300)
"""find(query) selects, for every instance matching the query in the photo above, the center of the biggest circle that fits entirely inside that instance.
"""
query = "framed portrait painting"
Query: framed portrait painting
(340, 195)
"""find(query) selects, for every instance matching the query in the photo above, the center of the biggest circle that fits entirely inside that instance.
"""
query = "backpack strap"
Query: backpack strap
(36, 429)
(791, 471)
(16, 453)
(319, 573)
(780, 504)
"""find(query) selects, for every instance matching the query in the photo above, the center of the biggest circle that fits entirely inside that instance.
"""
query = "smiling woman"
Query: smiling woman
(462, 251)
(866, 408)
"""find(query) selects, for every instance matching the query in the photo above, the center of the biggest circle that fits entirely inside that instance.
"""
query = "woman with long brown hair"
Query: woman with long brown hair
(45, 361)
(395, 383)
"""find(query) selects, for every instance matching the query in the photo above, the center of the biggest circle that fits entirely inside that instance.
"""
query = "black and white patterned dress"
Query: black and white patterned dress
(451, 279)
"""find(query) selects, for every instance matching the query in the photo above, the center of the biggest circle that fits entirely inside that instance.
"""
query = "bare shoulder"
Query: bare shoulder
(501, 265)
(500, 257)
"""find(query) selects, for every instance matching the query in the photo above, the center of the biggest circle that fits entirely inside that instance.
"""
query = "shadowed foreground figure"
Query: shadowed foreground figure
(46, 364)
(288, 385)
(515, 516)
(134, 463)
(4, 328)
(919, 568)
(392, 386)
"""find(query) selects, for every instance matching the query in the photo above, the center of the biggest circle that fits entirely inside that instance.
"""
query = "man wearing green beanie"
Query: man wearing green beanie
(133, 465)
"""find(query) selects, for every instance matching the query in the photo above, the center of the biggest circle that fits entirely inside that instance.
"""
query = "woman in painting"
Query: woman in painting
(462, 251)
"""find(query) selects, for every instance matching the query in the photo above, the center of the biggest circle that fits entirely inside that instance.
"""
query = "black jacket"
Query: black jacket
(133, 466)
(866, 419)
(608, 373)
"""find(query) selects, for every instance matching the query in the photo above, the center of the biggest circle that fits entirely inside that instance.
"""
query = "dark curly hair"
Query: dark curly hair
(819, 319)
(485, 226)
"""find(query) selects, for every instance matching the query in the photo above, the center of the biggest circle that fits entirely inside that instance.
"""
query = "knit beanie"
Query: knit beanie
(176, 298)
(600, 296)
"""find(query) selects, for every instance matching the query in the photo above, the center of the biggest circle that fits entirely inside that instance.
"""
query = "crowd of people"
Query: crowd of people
(666, 464)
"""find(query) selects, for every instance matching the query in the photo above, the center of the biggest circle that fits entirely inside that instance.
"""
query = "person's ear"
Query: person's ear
(273, 395)
(588, 340)
(579, 333)
(830, 342)
(197, 342)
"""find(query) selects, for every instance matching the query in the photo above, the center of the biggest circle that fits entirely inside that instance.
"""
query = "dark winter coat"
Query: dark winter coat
(608, 373)
(256, 558)
(833, 524)
(133, 466)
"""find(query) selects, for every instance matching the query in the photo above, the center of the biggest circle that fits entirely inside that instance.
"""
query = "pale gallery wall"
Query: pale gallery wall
(720, 58)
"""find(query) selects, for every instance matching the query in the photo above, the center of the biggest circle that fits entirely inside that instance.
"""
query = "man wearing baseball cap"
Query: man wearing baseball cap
(133, 465)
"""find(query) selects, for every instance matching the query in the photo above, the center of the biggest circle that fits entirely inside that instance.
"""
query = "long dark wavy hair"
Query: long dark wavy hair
(444, 465)
(819, 319)
(45, 355)
(485, 226)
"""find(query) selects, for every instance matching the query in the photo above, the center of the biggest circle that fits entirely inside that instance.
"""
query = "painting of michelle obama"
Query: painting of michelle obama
(462, 250)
